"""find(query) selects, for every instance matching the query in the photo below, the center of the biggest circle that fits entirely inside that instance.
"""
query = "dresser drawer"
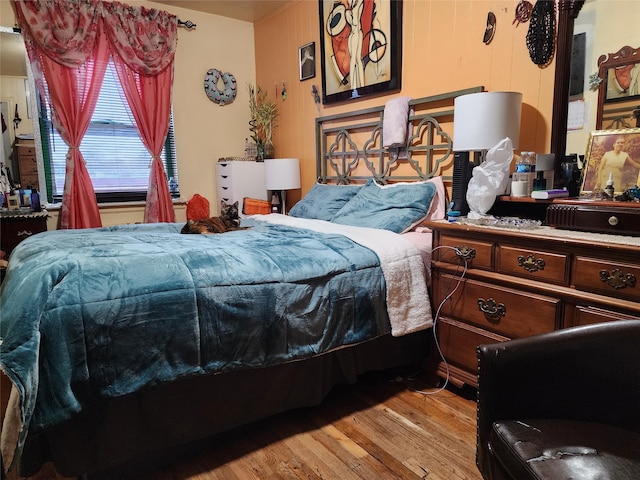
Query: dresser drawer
(459, 341)
(28, 164)
(506, 311)
(589, 315)
(477, 253)
(29, 181)
(543, 266)
(224, 168)
(24, 150)
(607, 277)
(225, 181)
(225, 193)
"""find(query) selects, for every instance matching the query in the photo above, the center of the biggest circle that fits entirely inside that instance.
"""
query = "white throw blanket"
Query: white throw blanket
(401, 262)
(395, 122)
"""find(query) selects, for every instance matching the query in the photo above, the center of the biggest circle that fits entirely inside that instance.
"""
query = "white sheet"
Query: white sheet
(401, 262)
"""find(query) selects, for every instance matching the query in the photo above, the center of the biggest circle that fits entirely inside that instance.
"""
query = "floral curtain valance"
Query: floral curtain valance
(66, 31)
(69, 43)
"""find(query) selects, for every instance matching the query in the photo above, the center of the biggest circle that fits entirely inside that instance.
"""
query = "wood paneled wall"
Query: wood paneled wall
(442, 51)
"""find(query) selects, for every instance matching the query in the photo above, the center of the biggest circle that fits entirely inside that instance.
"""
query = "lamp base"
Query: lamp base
(462, 169)
(278, 201)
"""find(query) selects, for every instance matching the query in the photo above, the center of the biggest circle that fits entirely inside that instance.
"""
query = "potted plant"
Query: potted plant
(264, 115)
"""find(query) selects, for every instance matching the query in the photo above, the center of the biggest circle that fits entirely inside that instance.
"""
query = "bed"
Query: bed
(129, 341)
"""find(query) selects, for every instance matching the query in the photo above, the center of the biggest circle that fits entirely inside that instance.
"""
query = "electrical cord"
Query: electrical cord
(453, 286)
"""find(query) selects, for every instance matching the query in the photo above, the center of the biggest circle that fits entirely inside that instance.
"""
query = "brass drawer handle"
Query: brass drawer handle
(492, 310)
(617, 279)
(466, 253)
(531, 264)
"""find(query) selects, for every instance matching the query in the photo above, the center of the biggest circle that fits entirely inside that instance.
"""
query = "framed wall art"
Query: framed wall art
(360, 48)
(307, 60)
(615, 153)
(623, 82)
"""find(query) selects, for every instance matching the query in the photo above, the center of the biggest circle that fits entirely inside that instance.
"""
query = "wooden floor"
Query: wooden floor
(380, 428)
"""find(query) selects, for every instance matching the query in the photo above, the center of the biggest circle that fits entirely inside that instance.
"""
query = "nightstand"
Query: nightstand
(16, 226)
(240, 178)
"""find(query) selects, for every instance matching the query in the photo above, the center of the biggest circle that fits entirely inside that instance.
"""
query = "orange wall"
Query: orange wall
(442, 51)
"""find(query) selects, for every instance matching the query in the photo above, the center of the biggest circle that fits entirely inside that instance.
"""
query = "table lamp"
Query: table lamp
(480, 121)
(282, 174)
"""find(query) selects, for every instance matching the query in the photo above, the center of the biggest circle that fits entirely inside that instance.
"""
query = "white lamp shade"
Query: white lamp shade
(282, 173)
(481, 120)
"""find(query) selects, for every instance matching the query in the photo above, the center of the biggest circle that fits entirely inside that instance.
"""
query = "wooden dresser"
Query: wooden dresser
(521, 283)
(25, 152)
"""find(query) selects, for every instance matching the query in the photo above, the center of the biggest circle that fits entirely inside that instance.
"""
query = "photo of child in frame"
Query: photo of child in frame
(612, 154)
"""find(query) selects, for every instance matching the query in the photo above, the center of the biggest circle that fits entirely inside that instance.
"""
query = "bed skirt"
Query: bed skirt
(123, 433)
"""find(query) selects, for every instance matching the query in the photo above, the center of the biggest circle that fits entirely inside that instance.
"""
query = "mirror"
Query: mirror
(19, 107)
(13, 73)
(606, 26)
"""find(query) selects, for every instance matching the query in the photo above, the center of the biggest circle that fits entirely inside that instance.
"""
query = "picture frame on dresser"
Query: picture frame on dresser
(615, 152)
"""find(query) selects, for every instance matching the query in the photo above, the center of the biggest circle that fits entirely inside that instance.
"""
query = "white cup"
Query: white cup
(519, 188)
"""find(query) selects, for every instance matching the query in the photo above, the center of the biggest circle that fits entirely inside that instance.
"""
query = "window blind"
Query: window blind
(116, 159)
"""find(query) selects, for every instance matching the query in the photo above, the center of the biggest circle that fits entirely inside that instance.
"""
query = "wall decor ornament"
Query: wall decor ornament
(360, 48)
(215, 94)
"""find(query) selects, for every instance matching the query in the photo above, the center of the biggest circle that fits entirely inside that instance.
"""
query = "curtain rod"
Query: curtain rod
(16, 30)
(188, 24)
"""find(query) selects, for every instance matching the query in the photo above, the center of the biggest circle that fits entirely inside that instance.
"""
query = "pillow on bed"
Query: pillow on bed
(397, 207)
(322, 202)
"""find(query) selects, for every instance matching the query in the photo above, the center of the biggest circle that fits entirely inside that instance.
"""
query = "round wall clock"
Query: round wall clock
(215, 94)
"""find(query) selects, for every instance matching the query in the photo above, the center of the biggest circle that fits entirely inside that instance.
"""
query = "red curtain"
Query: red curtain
(69, 43)
(65, 45)
(144, 62)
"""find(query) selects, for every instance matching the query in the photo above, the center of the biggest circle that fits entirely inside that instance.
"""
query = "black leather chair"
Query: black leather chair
(562, 405)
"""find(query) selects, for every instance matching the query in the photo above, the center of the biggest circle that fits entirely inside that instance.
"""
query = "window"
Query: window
(116, 159)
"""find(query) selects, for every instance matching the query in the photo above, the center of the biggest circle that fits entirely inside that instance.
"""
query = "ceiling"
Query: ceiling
(246, 10)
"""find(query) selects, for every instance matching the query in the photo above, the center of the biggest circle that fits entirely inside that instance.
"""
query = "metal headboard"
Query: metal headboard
(349, 145)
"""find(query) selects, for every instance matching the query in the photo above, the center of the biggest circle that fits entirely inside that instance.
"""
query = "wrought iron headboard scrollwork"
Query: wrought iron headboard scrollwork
(349, 145)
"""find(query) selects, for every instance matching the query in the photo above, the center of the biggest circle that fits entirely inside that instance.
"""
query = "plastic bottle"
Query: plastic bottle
(35, 201)
(609, 190)
(522, 179)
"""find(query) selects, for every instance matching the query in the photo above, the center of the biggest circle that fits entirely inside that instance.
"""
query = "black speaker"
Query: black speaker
(462, 169)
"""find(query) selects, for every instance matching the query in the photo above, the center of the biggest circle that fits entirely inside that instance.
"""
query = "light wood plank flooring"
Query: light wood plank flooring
(380, 428)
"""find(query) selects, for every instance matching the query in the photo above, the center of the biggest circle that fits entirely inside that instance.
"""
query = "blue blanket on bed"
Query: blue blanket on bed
(96, 313)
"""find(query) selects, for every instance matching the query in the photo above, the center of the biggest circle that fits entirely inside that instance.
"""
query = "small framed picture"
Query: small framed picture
(612, 154)
(307, 58)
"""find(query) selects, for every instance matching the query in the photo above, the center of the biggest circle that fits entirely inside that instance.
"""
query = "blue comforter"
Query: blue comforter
(96, 313)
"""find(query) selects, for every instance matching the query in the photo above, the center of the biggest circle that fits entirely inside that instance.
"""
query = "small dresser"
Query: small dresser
(17, 226)
(522, 283)
(25, 152)
(238, 178)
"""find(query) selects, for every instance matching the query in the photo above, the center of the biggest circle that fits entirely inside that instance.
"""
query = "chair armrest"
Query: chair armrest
(587, 373)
